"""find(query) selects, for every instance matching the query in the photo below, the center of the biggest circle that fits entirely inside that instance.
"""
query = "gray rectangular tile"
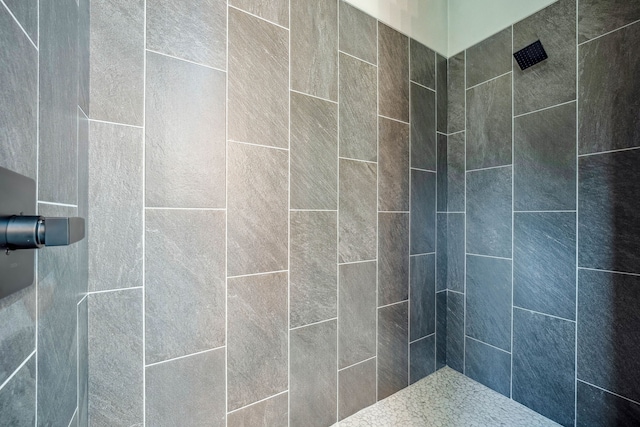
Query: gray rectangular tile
(442, 100)
(83, 363)
(271, 412)
(257, 209)
(117, 61)
(314, 47)
(357, 388)
(314, 148)
(84, 58)
(313, 269)
(423, 212)
(115, 197)
(276, 11)
(258, 89)
(544, 365)
(609, 229)
(451, 248)
(545, 160)
(597, 17)
(455, 94)
(26, 13)
(422, 309)
(257, 335)
(489, 212)
(18, 341)
(358, 109)
(189, 29)
(393, 349)
(116, 377)
(423, 64)
(184, 134)
(442, 173)
(552, 81)
(455, 330)
(184, 273)
(544, 269)
(609, 92)
(488, 366)
(358, 211)
(441, 329)
(187, 392)
(358, 33)
(422, 358)
(393, 73)
(393, 257)
(18, 397)
(442, 250)
(489, 58)
(314, 389)
(423, 128)
(597, 407)
(356, 313)
(489, 117)
(393, 182)
(455, 172)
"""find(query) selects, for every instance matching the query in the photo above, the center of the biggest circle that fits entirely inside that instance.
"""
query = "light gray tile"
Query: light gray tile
(393, 73)
(358, 210)
(358, 33)
(422, 356)
(189, 29)
(314, 388)
(184, 273)
(489, 58)
(393, 183)
(597, 17)
(17, 310)
(423, 212)
(455, 109)
(185, 134)
(18, 397)
(314, 273)
(276, 11)
(187, 392)
(26, 13)
(314, 148)
(442, 101)
(422, 309)
(257, 209)
(117, 61)
(423, 128)
(116, 199)
(393, 349)
(357, 313)
(357, 388)
(358, 109)
(83, 363)
(258, 81)
(270, 412)
(393, 257)
(116, 363)
(257, 335)
(423, 64)
(314, 42)
(84, 51)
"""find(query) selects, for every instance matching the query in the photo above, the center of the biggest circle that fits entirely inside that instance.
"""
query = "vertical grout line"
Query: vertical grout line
(377, 191)
(289, 233)
(337, 419)
(513, 197)
(435, 262)
(36, 257)
(575, 349)
(226, 226)
(464, 300)
(409, 231)
(144, 219)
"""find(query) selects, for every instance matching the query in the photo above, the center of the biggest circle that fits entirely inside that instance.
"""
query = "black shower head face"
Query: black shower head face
(530, 55)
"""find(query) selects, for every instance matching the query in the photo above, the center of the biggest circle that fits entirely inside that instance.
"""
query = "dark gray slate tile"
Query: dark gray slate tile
(357, 388)
(544, 365)
(358, 109)
(58, 106)
(187, 392)
(489, 132)
(19, 76)
(313, 269)
(489, 58)
(552, 81)
(26, 13)
(314, 39)
(423, 64)
(257, 338)
(597, 17)
(455, 94)
(442, 253)
(357, 313)
(393, 257)
(423, 212)
(488, 366)
(422, 358)
(358, 33)
(115, 197)
(393, 340)
(609, 90)
(455, 331)
(442, 178)
(276, 11)
(271, 412)
(18, 341)
(608, 342)
(84, 60)
(393, 182)
(74, 420)
(257, 206)
(489, 300)
(184, 273)
(189, 29)
(258, 89)
(422, 314)
(83, 361)
(185, 134)
(441, 329)
(116, 363)
(358, 211)
(423, 128)
(314, 148)
(451, 252)
(455, 172)
(489, 212)
(598, 408)
(442, 100)
(117, 61)
(18, 397)
(314, 386)
(545, 160)
(544, 269)
(393, 73)
(609, 225)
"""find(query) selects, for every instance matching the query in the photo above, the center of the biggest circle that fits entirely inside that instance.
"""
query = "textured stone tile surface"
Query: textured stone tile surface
(393, 73)
(455, 94)
(423, 64)
(358, 33)
(489, 58)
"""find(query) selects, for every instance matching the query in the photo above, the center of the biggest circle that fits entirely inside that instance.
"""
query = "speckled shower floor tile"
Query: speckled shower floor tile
(446, 398)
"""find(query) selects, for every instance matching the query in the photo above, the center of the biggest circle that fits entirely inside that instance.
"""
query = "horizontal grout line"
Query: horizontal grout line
(357, 262)
(396, 212)
(545, 108)
(158, 208)
(422, 170)
(609, 391)
(609, 151)
(258, 145)
(13, 374)
(256, 16)
(357, 160)
(185, 60)
(66, 205)
(490, 256)
(115, 123)
(543, 314)
(183, 357)
(422, 338)
(423, 86)
(455, 292)
(357, 363)
(489, 168)
(86, 116)
(313, 96)
(19, 25)
(257, 274)
(441, 291)
(609, 271)
(450, 212)
(313, 210)
(314, 323)
(258, 401)
(108, 291)
(84, 297)
(558, 211)
(393, 303)
(73, 416)
(487, 344)
(359, 59)
(392, 119)
(454, 133)
(424, 254)
(609, 32)
(490, 80)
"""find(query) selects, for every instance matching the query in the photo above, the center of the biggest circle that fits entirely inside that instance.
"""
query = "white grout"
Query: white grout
(575, 349)
(144, 222)
(607, 391)
(609, 32)
(559, 211)
(356, 262)
(486, 81)
(197, 353)
(432, 334)
(185, 60)
(22, 28)
(394, 303)
(488, 256)
(338, 228)
(425, 254)
(489, 168)
(609, 271)
(395, 120)
(74, 413)
(226, 222)
(487, 344)
(108, 291)
(377, 196)
(357, 160)
(542, 314)
(423, 170)
(359, 59)
(37, 256)
(420, 84)
(513, 206)
(290, 87)
(116, 124)
(313, 323)
(13, 374)
(41, 202)
(356, 364)
(608, 151)
(545, 108)
(312, 96)
(464, 300)
(257, 401)
(230, 6)
(258, 145)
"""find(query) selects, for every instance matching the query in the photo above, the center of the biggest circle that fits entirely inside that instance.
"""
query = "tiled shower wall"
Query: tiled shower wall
(44, 48)
(262, 189)
(538, 223)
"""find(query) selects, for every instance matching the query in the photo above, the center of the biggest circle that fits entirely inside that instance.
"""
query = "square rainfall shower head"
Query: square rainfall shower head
(530, 55)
